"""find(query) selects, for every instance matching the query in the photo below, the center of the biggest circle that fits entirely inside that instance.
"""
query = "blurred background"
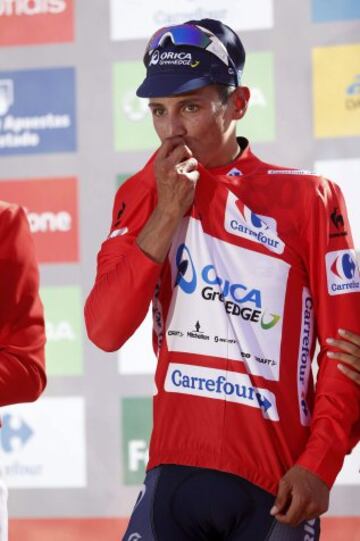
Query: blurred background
(71, 131)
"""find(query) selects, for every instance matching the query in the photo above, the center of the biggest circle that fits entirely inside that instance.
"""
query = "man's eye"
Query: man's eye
(191, 107)
(157, 111)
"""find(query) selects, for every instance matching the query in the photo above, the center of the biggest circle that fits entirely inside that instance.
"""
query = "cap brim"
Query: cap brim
(170, 84)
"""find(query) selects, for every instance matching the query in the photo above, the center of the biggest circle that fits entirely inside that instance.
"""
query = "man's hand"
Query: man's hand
(301, 496)
(349, 354)
(176, 174)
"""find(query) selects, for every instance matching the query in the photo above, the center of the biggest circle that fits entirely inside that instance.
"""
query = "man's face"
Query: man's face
(205, 123)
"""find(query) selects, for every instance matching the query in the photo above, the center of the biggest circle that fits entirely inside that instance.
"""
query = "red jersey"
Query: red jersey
(262, 265)
(22, 329)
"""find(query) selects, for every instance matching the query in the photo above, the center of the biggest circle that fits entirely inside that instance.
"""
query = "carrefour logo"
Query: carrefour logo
(344, 267)
(354, 88)
(353, 94)
(211, 383)
(218, 288)
(342, 272)
(241, 221)
(15, 433)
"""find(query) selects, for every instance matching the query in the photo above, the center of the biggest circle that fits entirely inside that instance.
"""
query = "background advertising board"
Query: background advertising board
(64, 319)
(258, 124)
(335, 10)
(30, 22)
(37, 111)
(336, 80)
(138, 19)
(136, 429)
(52, 210)
(43, 443)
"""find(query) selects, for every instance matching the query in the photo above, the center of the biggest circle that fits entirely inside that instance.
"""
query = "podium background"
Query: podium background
(71, 130)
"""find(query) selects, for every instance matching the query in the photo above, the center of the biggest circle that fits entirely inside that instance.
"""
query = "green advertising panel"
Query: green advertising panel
(63, 316)
(120, 179)
(136, 423)
(259, 122)
(133, 124)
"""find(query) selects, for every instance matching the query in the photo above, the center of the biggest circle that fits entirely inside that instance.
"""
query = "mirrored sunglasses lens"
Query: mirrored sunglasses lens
(180, 35)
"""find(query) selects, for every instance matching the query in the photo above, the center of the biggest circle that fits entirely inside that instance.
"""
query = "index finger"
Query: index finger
(169, 145)
(343, 345)
(295, 513)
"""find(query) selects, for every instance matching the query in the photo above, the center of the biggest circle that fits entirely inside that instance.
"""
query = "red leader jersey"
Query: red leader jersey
(22, 329)
(261, 266)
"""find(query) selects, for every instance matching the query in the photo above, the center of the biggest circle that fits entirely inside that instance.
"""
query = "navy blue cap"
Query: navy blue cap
(176, 69)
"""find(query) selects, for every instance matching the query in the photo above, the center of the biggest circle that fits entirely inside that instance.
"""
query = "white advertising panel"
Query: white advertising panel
(43, 444)
(138, 19)
(350, 473)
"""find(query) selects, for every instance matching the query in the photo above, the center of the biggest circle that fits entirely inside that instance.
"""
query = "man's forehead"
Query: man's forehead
(205, 92)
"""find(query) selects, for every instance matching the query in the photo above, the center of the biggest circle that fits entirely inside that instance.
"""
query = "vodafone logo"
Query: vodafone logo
(31, 7)
(46, 222)
(51, 207)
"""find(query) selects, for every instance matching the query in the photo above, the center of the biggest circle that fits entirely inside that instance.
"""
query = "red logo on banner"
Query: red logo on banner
(51, 207)
(91, 529)
(36, 21)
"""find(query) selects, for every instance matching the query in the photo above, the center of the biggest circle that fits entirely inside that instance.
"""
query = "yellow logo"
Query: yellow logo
(336, 80)
(195, 63)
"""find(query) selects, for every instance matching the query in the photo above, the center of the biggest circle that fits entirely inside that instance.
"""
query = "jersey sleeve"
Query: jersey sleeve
(335, 285)
(22, 328)
(126, 277)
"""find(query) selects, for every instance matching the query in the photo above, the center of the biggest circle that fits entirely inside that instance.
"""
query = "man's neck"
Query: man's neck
(226, 156)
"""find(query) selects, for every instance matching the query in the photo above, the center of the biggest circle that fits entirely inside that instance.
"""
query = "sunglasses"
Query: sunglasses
(194, 36)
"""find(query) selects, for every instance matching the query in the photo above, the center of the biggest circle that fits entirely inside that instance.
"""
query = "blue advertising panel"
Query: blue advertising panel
(37, 111)
(335, 10)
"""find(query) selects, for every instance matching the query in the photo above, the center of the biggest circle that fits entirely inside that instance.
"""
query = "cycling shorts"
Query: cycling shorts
(182, 503)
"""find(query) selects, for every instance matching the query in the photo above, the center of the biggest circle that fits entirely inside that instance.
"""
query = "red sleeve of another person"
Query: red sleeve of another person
(22, 329)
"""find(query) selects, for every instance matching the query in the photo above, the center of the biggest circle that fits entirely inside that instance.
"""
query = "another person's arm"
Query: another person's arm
(22, 329)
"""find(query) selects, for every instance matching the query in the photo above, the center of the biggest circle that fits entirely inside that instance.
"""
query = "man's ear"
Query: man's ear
(241, 98)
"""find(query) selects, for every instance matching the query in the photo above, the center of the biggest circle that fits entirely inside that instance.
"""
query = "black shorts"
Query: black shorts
(181, 503)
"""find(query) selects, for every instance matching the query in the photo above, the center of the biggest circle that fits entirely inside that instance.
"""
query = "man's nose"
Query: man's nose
(175, 126)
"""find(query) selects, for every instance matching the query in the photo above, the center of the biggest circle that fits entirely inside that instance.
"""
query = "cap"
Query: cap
(182, 58)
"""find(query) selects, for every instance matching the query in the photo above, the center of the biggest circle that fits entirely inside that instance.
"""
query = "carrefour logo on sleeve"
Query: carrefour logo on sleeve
(220, 385)
(238, 299)
(342, 272)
